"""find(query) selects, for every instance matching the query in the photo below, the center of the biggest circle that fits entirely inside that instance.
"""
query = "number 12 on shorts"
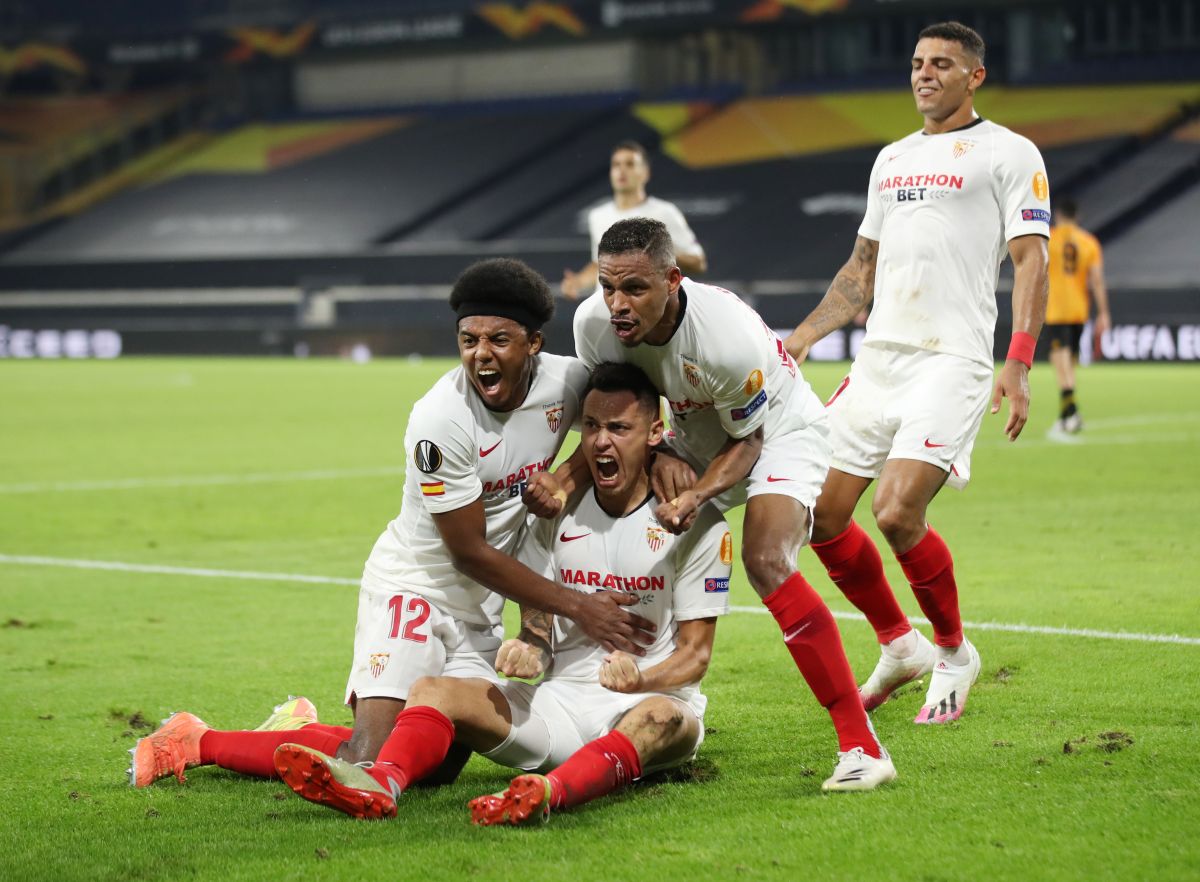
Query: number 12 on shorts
(417, 609)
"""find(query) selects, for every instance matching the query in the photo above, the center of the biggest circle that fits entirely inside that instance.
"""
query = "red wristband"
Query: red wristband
(1021, 347)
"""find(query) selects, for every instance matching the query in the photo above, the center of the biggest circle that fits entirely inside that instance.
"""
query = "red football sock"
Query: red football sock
(597, 768)
(416, 748)
(252, 753)
(930, 571)
(855, 567)
(811, 636)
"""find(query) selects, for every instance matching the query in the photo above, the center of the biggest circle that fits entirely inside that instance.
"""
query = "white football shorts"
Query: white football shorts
(553, 719)
(792, 465)
(401, 636)
(900, 402)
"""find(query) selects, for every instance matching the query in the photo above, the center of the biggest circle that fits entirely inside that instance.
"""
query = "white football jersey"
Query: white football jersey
(677, 578)
(723, 372)
(943, 208)
(459, 451)
(606, 214)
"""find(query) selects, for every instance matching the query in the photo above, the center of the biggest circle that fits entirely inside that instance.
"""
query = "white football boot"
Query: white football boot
(948, 688)
(891, 673)
(858, 770)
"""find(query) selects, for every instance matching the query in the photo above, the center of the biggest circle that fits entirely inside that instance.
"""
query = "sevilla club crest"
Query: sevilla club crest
(692, 373)
(378, 662)
(655, 537)
(554, 414)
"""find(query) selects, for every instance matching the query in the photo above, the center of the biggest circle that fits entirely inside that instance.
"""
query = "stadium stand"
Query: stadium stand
(378, 188)
(1113, 195)
(263, 218)
(507, 205)
(1072, 162)
(51, 149)
(526, 177)
(748, 223)
(1160, 250)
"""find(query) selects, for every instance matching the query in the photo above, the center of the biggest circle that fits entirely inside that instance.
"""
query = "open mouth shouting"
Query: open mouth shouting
(492, 386)
(489, 378)
(607, 473)
(625, 329)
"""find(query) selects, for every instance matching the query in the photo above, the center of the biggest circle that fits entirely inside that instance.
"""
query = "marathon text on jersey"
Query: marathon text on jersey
(682, 408)
(611, 581)
(522, 474)
(954, 182)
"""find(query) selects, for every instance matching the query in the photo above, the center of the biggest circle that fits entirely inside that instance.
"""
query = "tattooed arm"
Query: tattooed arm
(527, 655)
(849, 293)
(537, 627)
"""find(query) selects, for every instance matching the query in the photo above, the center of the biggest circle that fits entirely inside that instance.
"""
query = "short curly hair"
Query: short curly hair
(504, 287)
(640, 234)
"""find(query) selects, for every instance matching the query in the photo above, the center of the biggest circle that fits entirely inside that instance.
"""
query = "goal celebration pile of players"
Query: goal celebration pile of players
(620, 557)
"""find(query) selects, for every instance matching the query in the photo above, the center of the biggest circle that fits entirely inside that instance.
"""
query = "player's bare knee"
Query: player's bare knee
(423, 690)
(766, 567)
(829, 523)
(440, 693)
(664, 714)
(899, 522)
(660, 718)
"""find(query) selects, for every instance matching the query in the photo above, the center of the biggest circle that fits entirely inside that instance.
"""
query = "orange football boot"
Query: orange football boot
(525, 802)
(335, 783)
(169, 750)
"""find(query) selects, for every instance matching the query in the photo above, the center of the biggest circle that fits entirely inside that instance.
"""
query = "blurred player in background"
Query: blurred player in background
(599, 720)
(942, 204)
(629, 170)
(1076, 267)
(434, 585)
(742, 415)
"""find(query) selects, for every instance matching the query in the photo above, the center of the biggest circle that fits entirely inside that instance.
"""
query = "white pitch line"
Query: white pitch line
(200, 480)
(1142, 419)
(1021, 629)
(204, 572)
(1091, 440)
(122, 567)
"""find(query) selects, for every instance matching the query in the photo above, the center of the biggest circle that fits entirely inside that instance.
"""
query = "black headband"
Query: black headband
(514, 311)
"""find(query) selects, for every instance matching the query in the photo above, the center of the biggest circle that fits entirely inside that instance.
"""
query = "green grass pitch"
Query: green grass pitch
(1076, 757)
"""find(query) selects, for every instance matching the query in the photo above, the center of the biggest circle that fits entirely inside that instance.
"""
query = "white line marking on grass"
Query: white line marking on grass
(1142, 419)
(1021, 629)
(1092, 441)
(200, 480)
(120, 566)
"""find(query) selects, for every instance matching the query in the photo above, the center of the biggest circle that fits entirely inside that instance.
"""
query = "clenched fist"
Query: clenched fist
(517, 658)
(620, 673)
